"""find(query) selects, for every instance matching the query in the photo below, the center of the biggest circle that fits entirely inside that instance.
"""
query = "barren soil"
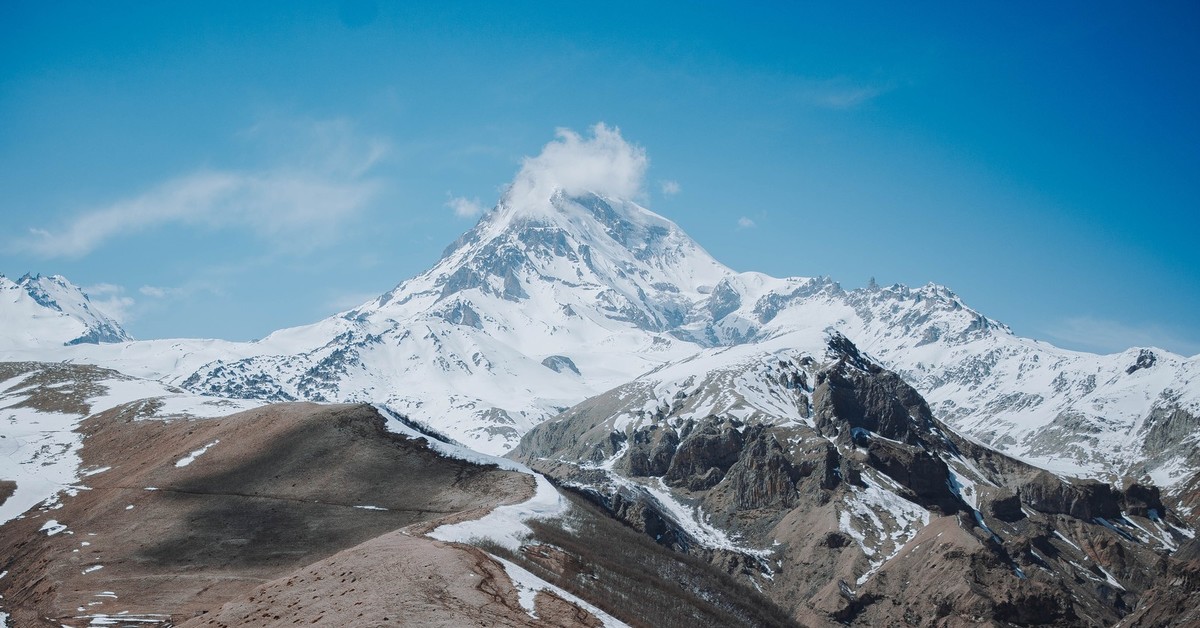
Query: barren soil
(285, 487)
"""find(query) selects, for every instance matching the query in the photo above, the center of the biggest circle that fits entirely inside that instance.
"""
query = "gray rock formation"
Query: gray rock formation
(869, 512)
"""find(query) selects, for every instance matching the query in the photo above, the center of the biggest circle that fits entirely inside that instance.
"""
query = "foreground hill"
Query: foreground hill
(319, 514)
(177, 517)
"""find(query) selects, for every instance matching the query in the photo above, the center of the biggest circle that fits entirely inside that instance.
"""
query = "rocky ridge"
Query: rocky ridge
(827, 481)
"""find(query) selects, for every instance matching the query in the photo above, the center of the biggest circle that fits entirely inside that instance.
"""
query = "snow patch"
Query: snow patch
(190, 458)
(51, 528)
(528, 585)
(505, 525)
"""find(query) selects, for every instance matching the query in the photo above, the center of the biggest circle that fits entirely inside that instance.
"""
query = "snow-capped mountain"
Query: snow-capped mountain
(531, 311)
(554, 297)
(41, 311)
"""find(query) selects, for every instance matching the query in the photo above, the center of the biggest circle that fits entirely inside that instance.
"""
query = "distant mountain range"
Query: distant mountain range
(544, 304)
(876, 456)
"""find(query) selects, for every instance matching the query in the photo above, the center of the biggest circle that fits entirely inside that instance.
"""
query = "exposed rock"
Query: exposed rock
(1145, 360)
(463, 314)
(840, 505)
(1002, 503)
(723, 301)
(651, 450)
(560, 364)
(869, 398)
(704, 456)
(1140, 499)
(916, 469)
(1082, 499)
(7, 488)
(763, 476)
(1171, 428)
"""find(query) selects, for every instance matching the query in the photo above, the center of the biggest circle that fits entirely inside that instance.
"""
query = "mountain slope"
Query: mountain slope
(179, 516)
(802, 466)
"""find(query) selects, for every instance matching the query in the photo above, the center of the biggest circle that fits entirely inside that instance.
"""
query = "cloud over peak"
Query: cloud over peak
(603, 163)
(464, 207)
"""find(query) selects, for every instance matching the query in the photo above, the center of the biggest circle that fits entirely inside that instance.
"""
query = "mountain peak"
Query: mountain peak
(569, 221)
(53, 309)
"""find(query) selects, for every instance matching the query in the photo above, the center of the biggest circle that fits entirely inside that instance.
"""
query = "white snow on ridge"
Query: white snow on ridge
(692, 520)
(890, 520)
(505, 525)
(396, 426)
(528, 585)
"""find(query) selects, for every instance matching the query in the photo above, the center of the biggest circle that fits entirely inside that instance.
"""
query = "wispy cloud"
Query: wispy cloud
(745, 223)
(295, 205)
(346, 300)
(464, 207)
(189, 288)
(839, 93)
(111, 299)
(1107, 336)
(670, 187)
(154, 292)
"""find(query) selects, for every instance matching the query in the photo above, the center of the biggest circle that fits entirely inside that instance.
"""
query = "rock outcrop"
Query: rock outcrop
(861, 508)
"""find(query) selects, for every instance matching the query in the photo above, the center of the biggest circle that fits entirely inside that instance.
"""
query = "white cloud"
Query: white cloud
(295, 206)
(604, 164)
(102, 290)
(464, 207)
(204, 284)
(745, 223)
(1106, 336)
(154, 292)
(671, 188)
(110, 299)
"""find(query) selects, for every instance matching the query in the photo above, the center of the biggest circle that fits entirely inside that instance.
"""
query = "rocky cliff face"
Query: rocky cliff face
(826, 480)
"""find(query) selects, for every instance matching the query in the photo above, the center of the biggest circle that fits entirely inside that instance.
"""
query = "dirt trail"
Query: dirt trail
(395, 579)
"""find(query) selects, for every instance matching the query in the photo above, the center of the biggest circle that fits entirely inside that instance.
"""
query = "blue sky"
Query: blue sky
(223, 170)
